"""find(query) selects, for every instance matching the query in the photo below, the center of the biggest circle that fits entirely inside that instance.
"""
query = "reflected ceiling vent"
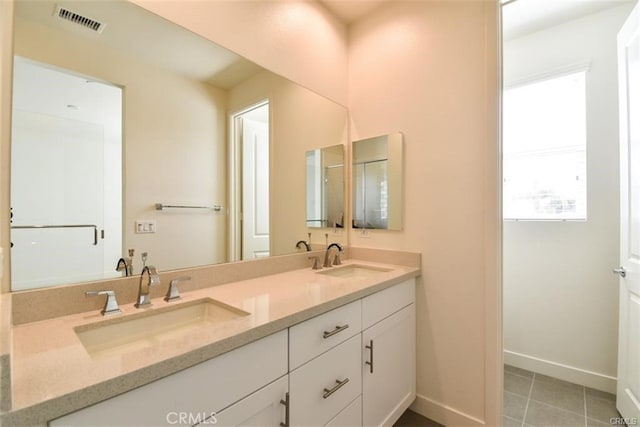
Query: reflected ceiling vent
(88, 23)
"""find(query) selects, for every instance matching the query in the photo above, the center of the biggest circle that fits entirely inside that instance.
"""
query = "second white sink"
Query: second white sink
(154, 326)
(354, 271)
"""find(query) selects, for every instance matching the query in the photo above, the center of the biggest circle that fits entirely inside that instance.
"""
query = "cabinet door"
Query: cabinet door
(263, 408)
(388, 368)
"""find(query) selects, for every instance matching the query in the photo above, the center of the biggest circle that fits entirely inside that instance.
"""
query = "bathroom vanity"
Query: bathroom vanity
(334, 347)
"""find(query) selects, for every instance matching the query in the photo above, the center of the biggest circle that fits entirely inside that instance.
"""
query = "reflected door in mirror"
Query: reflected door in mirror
(325, 187)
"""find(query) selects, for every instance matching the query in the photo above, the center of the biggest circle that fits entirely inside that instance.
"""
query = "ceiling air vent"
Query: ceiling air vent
(76, 18)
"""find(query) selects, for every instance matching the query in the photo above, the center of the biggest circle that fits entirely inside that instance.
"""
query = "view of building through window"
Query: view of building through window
(544, 153)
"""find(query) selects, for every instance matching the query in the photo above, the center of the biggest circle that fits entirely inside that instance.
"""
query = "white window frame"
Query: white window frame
(540, 77)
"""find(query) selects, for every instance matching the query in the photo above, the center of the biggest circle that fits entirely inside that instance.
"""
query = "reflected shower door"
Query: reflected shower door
(371, 204)
(57, 179)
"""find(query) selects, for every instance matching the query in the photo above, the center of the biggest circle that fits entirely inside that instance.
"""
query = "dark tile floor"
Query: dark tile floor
(412, 419)
(537, 400)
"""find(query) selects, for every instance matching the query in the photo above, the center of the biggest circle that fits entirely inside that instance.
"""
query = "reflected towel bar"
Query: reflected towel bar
(95, 228)
(160, 206)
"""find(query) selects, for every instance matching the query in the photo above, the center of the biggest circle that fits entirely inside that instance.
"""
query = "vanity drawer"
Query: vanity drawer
(386, 302)
(319, 334)
(315, 388)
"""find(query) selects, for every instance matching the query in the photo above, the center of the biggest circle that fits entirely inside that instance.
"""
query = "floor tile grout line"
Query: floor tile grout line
(526, 407)
(559, 408)
(584, 397)
(519, 374)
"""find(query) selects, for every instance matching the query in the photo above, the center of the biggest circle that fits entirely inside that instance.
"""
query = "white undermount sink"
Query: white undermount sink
(354, 271)
(151, 327)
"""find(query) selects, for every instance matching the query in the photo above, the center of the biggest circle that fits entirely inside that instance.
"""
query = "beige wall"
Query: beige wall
(560, 298)
(428, 69)
(273, 34)
(174, 139)
(301, 120)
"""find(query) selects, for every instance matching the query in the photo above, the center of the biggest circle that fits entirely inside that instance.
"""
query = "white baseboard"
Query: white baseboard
(442, 413)
(563, 372)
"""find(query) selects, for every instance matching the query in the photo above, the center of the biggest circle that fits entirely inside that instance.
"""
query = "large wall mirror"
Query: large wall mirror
(325, 187)
(130, 132)
(378, 182)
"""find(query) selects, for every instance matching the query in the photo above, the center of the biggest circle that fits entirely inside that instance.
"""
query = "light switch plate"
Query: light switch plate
(145, 226)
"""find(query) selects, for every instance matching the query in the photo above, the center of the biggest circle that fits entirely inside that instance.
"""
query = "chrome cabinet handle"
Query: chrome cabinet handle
(285, 402)
(620, 271)
(326, 334)
(339, 384)
(370, 362)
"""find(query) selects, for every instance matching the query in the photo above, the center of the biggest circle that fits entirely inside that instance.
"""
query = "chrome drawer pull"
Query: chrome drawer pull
(326, 334)
(370, 362)
(285, 402)
(339, 384)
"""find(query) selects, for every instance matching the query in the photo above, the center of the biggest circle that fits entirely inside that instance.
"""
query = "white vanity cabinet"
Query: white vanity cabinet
(378, 391)
(192, 395)
(388, 354)
(351, 366)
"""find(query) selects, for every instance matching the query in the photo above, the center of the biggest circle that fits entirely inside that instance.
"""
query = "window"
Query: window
(544, 162)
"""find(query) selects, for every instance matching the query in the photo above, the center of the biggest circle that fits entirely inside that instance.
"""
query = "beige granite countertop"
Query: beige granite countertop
(52, 374)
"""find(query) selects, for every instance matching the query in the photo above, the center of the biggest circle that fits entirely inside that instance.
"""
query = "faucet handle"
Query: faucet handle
(316, 262)
(110, 306)
(154, 278)
(173, 293)
(336, 259)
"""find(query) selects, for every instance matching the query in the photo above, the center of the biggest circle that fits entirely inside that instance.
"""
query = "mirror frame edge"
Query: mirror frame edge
(6, 88)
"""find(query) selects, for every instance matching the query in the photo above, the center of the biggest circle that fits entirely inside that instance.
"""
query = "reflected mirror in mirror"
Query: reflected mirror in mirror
(378, 182)
(325, 187)
(179, 99)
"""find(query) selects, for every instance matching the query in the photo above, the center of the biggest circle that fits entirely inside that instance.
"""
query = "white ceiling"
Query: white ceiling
(522, 17)
(147, 37)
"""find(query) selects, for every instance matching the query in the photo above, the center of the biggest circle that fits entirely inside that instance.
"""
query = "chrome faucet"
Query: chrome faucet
(122, 266)
(152, 279)
(336, 259)
(307, 245)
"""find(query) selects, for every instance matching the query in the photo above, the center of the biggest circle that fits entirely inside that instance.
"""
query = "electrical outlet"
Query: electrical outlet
(145, 226)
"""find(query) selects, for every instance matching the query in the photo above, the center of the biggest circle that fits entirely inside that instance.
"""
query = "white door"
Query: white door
(255, 188)
(628, 393)
(264, 408)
